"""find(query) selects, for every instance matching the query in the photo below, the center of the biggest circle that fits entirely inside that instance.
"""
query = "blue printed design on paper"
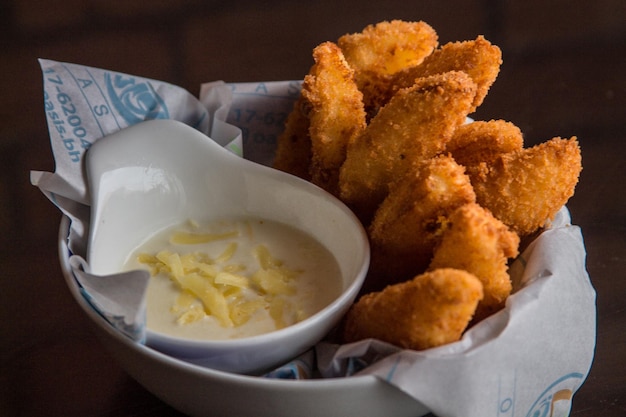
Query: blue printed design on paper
(135, 101)
(555, 401)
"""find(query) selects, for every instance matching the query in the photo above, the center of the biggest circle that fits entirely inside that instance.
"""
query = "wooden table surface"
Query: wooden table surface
(51, 364)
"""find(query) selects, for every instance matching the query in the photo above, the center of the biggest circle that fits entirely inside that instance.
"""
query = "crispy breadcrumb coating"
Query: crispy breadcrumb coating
(336, 114)
(479, 58)
(430, 310)
(484, 141)
(475, 241)
(389, 46)
(407, 226)
(526, 188)
(381, 50)
(414, 126)
(381, 123)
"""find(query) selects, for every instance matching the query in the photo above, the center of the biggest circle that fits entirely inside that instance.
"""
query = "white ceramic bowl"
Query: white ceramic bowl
(162, 172)
(203, 392)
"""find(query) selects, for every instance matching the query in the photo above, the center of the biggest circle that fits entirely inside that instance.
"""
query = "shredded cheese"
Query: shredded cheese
(226, 291)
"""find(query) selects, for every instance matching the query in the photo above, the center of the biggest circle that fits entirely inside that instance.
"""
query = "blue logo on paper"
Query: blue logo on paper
(135, 100)
(556, 400)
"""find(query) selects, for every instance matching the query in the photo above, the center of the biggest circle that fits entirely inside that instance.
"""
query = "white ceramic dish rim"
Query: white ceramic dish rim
(102, 323)
(193, 349)
(369, 385)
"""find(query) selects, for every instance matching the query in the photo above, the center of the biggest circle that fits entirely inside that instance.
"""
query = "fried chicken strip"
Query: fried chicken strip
(414, 126)
(336, 114)
(525, 188)
(407, 226)
(475, 241)
(432, 309)
(381, 50)
(480, 59)
(484, 141)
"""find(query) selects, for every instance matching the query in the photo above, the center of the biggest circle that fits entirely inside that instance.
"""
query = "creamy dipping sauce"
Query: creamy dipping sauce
(234, 278)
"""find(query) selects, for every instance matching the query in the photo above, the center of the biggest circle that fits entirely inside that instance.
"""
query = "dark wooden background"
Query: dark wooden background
(563, 75)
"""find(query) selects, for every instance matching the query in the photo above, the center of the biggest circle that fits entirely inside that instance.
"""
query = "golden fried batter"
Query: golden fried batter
(480, 59)
(482, 141)
(381, 124)
(430, 310)
(383, 49)
(414, 126)
(388, 47)
(525, 188)
(336, 113)
(475, 241)
(407, 226)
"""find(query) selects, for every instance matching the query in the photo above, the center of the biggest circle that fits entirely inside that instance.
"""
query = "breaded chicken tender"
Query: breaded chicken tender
(388, 47)
(293, 148)
(475, 241)
(484, 141)
(525, 188)
(430, 310)
(336, 114)
(383, 49)
(407, 226)
(414, 126)
(480, 59)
